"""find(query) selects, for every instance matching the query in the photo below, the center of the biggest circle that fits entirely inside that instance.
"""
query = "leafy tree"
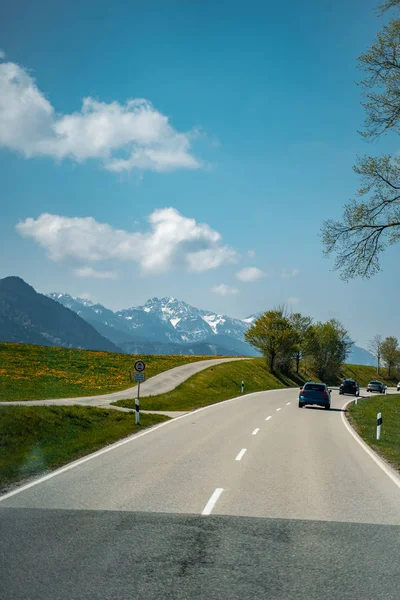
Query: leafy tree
(390, 353)
(326, 347)
(375, 346)
(301, 326)
(372, 219)
(273, 335)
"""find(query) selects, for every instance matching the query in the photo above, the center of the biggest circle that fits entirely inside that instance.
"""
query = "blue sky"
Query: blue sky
(240, 143)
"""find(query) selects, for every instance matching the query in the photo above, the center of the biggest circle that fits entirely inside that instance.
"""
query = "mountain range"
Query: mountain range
(160, 326)
(164, 326)
(171, 326)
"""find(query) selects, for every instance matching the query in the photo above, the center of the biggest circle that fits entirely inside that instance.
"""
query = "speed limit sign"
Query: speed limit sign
(139, 366)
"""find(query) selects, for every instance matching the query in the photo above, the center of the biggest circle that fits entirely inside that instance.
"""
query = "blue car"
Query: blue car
(315, 393)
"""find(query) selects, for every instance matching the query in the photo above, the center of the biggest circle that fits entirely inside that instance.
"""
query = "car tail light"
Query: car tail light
(303, 393)
(325, 394)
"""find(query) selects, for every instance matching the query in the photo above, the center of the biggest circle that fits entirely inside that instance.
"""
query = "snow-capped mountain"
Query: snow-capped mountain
(162, 321)
(183, 322)
(171, 326)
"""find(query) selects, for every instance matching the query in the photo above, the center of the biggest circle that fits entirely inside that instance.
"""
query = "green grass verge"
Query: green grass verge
(30, 372)
(213, 385)
(363, 419)
(365, 374)
(36, 439)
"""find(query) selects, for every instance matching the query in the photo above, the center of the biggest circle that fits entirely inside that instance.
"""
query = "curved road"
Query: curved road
(159, 384)
(249, 498)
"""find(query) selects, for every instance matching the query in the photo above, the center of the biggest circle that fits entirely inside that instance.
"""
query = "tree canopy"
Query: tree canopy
(371, 221)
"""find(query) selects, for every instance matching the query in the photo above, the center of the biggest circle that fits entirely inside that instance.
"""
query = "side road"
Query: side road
(159, 384)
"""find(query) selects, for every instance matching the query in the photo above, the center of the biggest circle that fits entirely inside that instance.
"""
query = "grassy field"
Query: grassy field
(213, 385)
(363, 419)
(41, 372)
(36, 439)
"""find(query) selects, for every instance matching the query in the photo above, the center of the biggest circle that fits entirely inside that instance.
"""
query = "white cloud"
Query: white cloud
(172, 241)
(122, 136)
(293, 300)
(250, 274)
(95, 274)
(224, 290)
(2, 54)
(251, 254)
(289, 273)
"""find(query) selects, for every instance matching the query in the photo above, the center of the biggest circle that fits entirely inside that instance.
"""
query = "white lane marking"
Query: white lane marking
(277, 409)
(268, 418)
(241, 454)
(389, 472)
(212, 501)
(256, 431)
(128, 440)
(287, 403)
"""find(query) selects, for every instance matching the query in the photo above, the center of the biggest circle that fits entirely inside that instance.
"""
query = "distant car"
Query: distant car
(398, 387)
(376, 386)
(315, 393)
(349, 386)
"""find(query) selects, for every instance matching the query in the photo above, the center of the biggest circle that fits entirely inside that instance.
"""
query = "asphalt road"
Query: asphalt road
(293, 508)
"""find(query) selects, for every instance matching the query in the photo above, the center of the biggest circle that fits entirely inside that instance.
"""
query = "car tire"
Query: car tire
(301, 405)
(328, 407)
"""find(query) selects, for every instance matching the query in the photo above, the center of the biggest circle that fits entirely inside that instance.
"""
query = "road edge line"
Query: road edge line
(124, 441)
(374, 455)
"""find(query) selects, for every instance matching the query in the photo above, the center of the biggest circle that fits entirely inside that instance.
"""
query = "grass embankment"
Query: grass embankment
(213, 385)
(41, 372)
(223, 382)
(365, 374)
(36, 439)
(363, 419)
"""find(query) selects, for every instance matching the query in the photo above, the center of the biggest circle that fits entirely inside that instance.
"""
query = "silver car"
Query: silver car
(377, 387)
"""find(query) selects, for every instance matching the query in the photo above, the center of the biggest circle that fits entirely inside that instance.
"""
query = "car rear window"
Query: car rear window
(378, 382)
(315, 387)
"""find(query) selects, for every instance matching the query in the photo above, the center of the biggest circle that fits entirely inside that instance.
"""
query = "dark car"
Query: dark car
(349, 386)
(315, 393)
(376, 386)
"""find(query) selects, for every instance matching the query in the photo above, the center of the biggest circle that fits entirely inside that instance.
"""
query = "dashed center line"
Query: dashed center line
(268, 418)
(256, 431)
(212, 501)
(277, 409)
(287, 403)
(241, 454)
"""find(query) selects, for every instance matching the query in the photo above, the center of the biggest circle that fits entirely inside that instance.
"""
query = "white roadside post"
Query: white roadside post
(378, 426)
(242, 386)
(139, 377)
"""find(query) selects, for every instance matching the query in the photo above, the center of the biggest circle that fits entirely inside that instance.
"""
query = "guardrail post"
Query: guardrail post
(378, 426)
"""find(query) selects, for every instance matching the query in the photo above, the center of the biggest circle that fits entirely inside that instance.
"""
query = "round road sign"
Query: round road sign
(139, 366)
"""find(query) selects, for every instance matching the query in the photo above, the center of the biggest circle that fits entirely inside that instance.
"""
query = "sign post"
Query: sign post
(139, 377)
